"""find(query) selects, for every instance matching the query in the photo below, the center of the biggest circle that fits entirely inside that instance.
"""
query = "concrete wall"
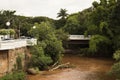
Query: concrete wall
(3, 62)
(8, 59)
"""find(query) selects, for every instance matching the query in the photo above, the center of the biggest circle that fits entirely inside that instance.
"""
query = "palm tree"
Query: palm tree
(62, 14)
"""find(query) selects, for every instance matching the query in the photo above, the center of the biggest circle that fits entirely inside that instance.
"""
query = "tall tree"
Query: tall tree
(115, 25)
(99, 26)
(45, 34)
(62, 14)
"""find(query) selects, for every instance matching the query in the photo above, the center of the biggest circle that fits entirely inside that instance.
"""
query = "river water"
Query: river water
(84, 69)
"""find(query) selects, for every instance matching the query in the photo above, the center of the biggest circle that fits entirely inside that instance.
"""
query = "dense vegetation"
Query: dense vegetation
(14, 76)
(49, 49)
(101, 21)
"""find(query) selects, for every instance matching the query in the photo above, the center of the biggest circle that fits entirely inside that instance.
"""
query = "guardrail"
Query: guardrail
(79, 37)
(16, 43)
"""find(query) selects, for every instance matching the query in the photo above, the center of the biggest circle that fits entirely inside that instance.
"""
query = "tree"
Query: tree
(72, 25)
(61, 22)
(99, 27)
(77, 23)
(6, 16)
(39, 59)
(99, 42)
(7, 32)
(115, 27)
(50, 45)
(114, 19)
(62, 14)
(44, 28)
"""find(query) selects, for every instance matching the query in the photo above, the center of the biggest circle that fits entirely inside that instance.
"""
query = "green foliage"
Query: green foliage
(116, 70)
(77, 23)
(114, 19)
(14, 76)
(117, 55)
(103, 25)
(39, 59)
(72, 25)
(103, 2)
(62, 21)
(5, 16)
(95, 4)
(63, 13)
(98, 24)
(4, 32)
(54, 49)
(49, 48)
(11, 31)
(96, 40)
(19, 63)
(116, 67)
(116, 42)
(16, 22)
(7, 31)
(42, 31)
(92, 29)
(61, 35)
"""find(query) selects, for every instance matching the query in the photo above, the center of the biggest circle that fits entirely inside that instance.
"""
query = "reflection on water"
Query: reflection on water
(86, 69)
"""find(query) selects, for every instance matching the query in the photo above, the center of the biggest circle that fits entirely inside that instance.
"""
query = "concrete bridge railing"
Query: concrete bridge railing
(16, 43)
(79, 37)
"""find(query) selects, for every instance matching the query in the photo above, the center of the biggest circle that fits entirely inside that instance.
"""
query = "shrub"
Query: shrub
(7, 31)
(116, 67)
(39, 59)
(14, 76)
(116, 70)
(49, 49)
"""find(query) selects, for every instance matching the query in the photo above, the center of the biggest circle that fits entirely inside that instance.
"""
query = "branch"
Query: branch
(59, 66)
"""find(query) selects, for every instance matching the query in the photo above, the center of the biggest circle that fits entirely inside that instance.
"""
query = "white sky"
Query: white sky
(48, 8)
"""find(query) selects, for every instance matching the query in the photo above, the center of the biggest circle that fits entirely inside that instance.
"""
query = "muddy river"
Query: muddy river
(84, 69)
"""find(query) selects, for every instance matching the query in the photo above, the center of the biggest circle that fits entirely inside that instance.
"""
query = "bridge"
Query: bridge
(76, 42)
(16, 43)
(78, 39)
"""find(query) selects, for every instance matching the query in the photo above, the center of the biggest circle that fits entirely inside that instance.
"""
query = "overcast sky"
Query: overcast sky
(48, 8)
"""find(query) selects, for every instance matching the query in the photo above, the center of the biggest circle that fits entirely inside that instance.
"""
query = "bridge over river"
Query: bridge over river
(76, 42)
(78, 39)
(84, 68)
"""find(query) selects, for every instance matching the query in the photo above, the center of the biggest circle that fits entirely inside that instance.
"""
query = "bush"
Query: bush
(116, 70)
(39, 59)
(54, 49)
(14, 76)
(7, 31)
(116, 67)
(49, 49)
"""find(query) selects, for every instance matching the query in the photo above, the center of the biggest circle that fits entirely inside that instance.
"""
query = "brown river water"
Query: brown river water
(85, 69)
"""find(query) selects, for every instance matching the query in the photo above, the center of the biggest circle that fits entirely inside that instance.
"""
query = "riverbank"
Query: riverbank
(85, 69)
